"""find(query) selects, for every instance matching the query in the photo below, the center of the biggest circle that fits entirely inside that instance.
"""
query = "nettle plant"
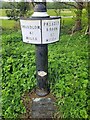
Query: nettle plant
(18, 73)
(67, 68)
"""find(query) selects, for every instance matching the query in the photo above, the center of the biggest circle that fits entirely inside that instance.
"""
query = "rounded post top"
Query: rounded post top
(40, 8)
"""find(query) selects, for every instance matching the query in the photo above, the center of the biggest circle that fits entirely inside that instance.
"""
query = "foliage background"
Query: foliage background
(67, 66)
(68, 74)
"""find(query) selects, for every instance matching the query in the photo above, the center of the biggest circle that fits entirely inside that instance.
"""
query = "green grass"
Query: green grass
(0, 22)
(8, 24)
(63, 12)
(50, 12)
(2, 12)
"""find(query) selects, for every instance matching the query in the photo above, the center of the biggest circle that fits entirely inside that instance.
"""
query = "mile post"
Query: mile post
(41, 29)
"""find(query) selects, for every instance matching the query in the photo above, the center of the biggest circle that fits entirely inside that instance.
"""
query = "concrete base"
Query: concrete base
(39, 107)
(42, 108)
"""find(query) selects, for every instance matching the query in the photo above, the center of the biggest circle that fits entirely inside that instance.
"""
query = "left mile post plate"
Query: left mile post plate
(31, 31)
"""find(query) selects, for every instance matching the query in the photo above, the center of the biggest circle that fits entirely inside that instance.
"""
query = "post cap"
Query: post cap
(40, 8)
(40, 11)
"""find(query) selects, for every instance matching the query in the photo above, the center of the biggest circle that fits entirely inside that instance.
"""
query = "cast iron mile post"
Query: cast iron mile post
(42, 59)
(41, 29)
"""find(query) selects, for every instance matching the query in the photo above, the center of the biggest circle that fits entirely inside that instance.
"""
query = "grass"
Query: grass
(50, 12)
(2, 12)
(0, 22)
(8, 24)
(66, 25)
(63, 12)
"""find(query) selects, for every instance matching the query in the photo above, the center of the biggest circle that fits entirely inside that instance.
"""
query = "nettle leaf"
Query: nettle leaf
(88, 102)
(10, 60)
(83, 113)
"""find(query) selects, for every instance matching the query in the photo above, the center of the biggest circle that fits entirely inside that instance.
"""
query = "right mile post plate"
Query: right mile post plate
(50, 30)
